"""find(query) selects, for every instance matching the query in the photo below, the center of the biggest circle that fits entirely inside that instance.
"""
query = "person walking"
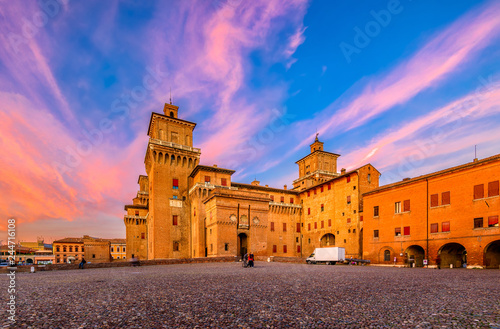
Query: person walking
(250, 260)
(82, 263)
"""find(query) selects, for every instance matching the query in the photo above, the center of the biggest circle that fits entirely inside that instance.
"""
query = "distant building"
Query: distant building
(94, 250)
(452, 213)
(118, 249)
(184, 209)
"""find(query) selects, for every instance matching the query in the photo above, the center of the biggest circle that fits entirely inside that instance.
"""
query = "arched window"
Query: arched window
(117, 249)
(171, 114)
(76, 248)
(64, 248)
(58, 249)
(70, 248)
(112, 249)
(387, 256)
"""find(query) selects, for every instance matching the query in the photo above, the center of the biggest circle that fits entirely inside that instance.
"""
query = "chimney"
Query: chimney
(256, 183)
(215, 166)
(342, 171)
(284, 187)
(405, 179)
(267, 185)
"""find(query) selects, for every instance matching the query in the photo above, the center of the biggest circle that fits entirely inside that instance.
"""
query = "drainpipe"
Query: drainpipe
(427, 226)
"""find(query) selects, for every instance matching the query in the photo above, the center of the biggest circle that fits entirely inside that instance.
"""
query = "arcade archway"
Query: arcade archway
(454, 254)
(492, 255)
(416, 255)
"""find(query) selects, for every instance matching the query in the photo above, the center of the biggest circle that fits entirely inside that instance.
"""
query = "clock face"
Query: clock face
(256, 220)
(232, 218)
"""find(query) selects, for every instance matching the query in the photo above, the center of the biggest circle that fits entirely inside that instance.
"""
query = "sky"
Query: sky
(408, 86)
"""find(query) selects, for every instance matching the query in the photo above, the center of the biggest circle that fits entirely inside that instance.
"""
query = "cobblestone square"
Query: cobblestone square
(271, 295)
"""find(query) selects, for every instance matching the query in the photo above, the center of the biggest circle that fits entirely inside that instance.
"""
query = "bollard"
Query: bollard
(32, 269)
(451, 265)
(268, 259)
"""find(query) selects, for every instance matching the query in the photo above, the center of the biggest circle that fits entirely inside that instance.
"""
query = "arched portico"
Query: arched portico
(416, 255)
(454, 254)
(492, 255)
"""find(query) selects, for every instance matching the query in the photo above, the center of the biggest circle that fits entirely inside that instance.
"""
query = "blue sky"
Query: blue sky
(409, 86)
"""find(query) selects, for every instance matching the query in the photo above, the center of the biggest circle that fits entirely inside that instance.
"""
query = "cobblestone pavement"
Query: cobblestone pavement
(271, 295)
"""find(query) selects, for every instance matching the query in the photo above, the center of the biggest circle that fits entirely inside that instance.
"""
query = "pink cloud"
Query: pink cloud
(443, 131)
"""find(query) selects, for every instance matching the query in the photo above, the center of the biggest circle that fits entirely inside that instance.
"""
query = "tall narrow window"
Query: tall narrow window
(272, 226)
(406, 205)
(329, 186)
(174, 220)
(282, 199)
(397, 231)
(298, 227)
(348, 199)
(348, 221)
(175, 184)
(397, 207)
(308, 211)
(308, 193)
(329, 222)
(375, 211)
(321, 189)
(434, 228)
(284, 249)
(406, 230)
(322, 224)
(274, 248)
(493, 188)
(322, 207)
(272, 197)
(176, 246)
(284, 227)
(434, 200)
(143, 236)
(445, 227)
(315, 225)
(445, 198)
(478, 222)
(207, 179)
(223, 181)
(493, 221)
(291, 200)
(348, 179)
(479, 191)
(369, 178)
(375, 233)
(309, 226)
(298, 249)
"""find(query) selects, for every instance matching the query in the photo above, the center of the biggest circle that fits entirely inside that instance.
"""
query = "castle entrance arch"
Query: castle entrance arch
(242, 244)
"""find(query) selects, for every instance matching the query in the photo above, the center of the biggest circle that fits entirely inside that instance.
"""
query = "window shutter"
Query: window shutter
(207, 179)
(223, 182)
(321, 189)
(309, 226)
(315, 225)
(272, 197)
(445, 198)
(308, 193)
(322, 224)
(348, 179)
(434, 228)
(445, 227)
(492, 221)
(274, 248)
(493, 188)
(434, 200)
(174, 220)
(329, 186)
(284, 227)
(348, 199)
(176, 183)
(397, 231)
(479, 191)
(348, 220)
(308, 211)
(329, 222)
(406, 205)
(291, 200)
(284, 249)
(298, 227)
(360, 218)
(406, 230)
(375, 211)
(282, 199)
(298, 249)
(272, 226)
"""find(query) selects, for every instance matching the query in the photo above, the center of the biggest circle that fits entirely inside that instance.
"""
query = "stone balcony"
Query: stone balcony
(174, 145)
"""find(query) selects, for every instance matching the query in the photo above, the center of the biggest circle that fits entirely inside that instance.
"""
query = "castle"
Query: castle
(185, 210)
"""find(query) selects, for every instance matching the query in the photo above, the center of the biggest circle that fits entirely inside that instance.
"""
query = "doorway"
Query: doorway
(242, 244)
